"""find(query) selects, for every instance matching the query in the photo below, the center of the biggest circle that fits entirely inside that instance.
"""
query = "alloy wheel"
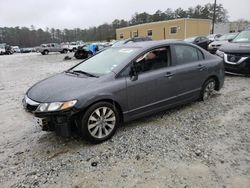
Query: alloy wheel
(209, 90)
(101, 122)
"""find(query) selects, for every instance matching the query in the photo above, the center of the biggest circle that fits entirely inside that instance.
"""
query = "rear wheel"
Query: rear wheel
(208, 89)
(99, 122)
(65, 51)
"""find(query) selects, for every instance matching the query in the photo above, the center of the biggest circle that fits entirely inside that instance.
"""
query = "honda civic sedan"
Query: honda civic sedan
(121, 84)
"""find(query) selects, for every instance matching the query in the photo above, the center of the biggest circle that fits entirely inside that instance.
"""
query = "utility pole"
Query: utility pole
(214, 16)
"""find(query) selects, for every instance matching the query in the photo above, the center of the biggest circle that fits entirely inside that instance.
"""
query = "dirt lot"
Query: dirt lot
(196, 145)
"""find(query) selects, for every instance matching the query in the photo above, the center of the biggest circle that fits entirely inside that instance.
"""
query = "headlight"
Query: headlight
(220, 53)
(55, 106)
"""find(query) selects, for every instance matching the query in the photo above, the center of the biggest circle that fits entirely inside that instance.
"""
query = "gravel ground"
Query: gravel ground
(195, 145)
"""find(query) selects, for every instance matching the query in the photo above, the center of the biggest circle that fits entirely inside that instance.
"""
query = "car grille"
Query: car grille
(235, 64)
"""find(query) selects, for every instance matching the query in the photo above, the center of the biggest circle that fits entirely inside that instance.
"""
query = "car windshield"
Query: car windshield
(191, 39)
(243, 36)
(227, 36)
(106, 61)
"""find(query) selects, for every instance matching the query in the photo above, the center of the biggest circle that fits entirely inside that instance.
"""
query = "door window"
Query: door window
(153, 60)
(187, 54)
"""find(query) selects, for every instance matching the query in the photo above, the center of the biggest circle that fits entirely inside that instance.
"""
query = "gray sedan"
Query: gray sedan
(121, 84)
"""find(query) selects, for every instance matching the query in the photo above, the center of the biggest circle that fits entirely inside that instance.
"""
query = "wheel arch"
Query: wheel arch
(109, 100)
(217, 82)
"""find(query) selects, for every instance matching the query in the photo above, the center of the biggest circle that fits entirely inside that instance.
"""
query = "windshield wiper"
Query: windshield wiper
(71, 72)
(86, 73)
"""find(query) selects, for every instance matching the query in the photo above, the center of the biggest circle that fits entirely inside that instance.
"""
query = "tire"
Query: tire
(45, 52)
(208, 89)
(65, 51)
(99, 122)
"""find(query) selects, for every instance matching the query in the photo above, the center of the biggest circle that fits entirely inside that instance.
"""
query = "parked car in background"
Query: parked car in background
(214, 37)
(86, 51)
(199, 41)
(6, 49)
(45, 49)
(123, 83)
(16, 49)
(25, 50)
(73, 46)
(2, 49)
(131, 40)
(236, 54)
(214, 46)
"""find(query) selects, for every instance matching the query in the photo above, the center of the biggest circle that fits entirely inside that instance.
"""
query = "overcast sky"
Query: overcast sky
(86, 13)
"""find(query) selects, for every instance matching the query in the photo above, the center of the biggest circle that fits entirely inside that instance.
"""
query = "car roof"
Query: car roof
(149, 44)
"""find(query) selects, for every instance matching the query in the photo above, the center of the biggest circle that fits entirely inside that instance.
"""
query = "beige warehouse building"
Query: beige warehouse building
(171, 29)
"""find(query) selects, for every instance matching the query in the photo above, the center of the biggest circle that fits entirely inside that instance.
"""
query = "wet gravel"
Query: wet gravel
(201, 144)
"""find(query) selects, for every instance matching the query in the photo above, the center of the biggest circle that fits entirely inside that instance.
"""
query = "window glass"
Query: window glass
(150, 33)
(153, 60)
(106, 61)
(200, 55)
(135, 34)
(173, 30)
(186, 54)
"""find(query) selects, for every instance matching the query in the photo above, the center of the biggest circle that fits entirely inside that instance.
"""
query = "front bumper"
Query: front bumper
(240, 67)
(62, 122)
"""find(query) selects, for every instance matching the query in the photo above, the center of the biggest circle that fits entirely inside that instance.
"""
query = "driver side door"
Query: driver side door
(155, 86)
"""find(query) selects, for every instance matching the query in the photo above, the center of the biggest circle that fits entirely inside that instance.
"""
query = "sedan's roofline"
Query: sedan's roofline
(148, 44)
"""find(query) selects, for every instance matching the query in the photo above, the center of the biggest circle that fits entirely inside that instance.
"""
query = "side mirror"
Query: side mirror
(133, 73)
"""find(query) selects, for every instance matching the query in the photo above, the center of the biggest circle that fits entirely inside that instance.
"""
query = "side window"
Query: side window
(153, 60)
(187, 54)
(200, 54)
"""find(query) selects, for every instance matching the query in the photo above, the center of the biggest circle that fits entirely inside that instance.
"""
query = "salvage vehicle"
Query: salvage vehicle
(52, 47)
(121, 84)
(88, 50)
(201, 41)
(2, 49)
(236, 54)
(16, 49)
(214, 46)
(5, 49)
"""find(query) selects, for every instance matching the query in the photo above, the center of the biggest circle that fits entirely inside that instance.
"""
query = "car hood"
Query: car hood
(62, 87)
(232, 47)
(219, 42)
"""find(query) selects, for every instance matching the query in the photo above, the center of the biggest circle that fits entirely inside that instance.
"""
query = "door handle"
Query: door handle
(201, 67)
(169, 74)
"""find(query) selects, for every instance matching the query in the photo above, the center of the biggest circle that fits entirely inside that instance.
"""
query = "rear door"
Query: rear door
(191, 70)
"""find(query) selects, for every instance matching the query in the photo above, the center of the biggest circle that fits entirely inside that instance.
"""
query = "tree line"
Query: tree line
(29, 37)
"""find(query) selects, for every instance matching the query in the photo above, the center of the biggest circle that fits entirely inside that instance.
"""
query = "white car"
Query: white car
(73, 46)
(16, 49)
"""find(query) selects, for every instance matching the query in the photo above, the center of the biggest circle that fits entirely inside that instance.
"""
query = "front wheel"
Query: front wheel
(208, 89)
(99, 122)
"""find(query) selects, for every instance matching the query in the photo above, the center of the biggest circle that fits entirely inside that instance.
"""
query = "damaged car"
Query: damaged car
(121, 84)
